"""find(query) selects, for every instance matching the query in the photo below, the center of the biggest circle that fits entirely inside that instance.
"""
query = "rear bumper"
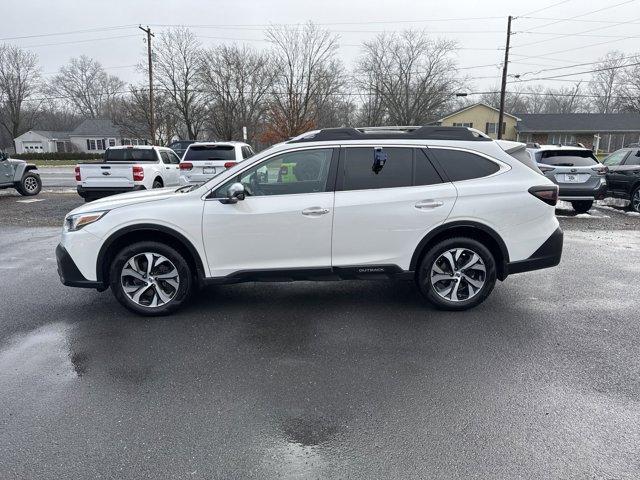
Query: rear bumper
(548, 255)
(95, 192)
(583, 193)
(70, 274)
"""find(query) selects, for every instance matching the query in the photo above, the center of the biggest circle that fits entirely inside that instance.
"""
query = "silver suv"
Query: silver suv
(18, 174)
(575, 170)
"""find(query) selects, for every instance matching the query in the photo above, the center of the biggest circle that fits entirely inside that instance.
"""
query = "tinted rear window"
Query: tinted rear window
(567, 158)
(459, 165)
(217, 152)
(130, 155)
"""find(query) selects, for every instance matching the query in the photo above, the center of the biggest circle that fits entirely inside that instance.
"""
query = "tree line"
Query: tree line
(297, 84)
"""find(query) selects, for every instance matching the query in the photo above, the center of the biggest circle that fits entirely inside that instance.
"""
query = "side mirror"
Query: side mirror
(235, 193)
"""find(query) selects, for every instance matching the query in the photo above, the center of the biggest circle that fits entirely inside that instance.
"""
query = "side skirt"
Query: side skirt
(359, 272)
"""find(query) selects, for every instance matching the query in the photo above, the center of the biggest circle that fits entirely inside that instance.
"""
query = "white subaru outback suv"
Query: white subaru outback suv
(446, 206)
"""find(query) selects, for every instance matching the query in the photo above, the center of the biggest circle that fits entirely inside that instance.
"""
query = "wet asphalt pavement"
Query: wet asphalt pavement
(325, 380)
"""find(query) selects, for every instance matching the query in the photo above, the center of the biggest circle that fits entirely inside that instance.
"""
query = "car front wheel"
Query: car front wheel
(150, 278)
(635, 200)
(29, 185)
(457, 274)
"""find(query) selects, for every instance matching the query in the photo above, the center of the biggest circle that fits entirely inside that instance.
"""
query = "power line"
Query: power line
(580, 15)
(80, 41)
(581, 47)
(576, 73)
(582, 33)
(573, 66)
(71, 32)
(585, 20)
(545, 8)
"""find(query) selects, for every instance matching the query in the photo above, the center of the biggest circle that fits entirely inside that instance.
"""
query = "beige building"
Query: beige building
(484, 118)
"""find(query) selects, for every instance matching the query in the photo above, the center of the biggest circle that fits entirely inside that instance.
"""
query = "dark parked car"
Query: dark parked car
(180, 146)
(624, 175)
(18, 174)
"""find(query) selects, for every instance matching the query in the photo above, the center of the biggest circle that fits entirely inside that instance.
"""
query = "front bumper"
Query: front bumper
(95, 193)
(548, 255)
(69, 273)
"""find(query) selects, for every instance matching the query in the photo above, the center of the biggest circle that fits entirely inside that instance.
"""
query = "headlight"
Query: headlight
(79, 220)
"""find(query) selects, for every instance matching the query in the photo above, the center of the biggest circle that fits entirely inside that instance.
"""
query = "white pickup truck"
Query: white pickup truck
(128, 168)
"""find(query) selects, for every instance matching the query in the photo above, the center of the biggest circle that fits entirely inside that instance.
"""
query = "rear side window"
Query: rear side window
(212, 152)
(403, 167)
(460, 165)
(567, 158)
(130, 155)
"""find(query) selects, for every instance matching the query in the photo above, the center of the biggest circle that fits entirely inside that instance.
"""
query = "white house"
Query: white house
(93, 135)
(43, 141)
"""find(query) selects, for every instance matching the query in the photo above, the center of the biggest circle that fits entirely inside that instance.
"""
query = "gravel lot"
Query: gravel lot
(322, 380)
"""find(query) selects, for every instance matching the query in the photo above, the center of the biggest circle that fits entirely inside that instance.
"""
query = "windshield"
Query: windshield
(130, 155)
(211, 152)
(568, 158)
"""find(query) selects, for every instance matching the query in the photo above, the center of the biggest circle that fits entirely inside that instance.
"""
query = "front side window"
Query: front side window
(633, 158)
(460, 165)
(615, 158)
(303, 171)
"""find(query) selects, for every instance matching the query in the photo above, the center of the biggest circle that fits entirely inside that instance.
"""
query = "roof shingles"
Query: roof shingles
(578, 122)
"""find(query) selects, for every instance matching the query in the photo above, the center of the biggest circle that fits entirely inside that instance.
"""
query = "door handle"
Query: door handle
(315, 211)
(428, 204)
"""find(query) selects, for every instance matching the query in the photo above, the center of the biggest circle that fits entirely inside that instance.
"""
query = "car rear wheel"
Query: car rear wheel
(457, 274)
(150, 278)
(29, 185)
(157, 183)
(635, 200)
(582, 206)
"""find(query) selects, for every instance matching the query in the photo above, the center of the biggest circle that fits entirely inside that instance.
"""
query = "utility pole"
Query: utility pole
(152, 122)
(503, 91)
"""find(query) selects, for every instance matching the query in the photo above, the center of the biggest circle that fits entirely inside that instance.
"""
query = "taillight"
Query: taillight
(78, 177)
(545, 168)
(229, 164)
(186, 166)
(600, 169)
(548, 193)
(138, 173)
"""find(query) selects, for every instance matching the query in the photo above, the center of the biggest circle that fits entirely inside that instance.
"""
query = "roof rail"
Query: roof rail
(392, 133)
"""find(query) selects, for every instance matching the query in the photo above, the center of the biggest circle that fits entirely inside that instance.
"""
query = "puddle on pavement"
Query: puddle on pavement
(43, 353)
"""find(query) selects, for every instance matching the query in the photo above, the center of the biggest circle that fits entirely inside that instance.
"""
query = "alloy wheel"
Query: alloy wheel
(458, 274)
(150, 279)
(30, 184)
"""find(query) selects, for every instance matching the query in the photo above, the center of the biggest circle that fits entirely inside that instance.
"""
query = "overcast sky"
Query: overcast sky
(480, 40)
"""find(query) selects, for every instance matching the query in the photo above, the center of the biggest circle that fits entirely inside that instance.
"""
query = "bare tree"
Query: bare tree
(237, 82)
(309, 74)
(19, 79)
(605, 84)
(629, 99)
(176, 66)
(86, 87)
(132, 115)
(409, 77)
(568, 99)
(516, 99)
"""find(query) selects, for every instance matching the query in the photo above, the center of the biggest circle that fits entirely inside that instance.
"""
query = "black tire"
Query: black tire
(634, 204)
(582, 206)
(180, 294)
(157, 183)
(426, 285)
(30, 185)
